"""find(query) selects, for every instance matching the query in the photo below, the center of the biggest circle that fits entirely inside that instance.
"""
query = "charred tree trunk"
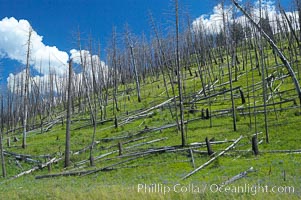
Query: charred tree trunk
(1, 142)
(136, 74)
(26, 90)
(68, 122)
(179, 77)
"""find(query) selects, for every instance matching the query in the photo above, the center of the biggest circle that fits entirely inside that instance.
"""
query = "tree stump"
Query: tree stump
(8, 142)
(255, 145)
(120, 148)
(209, 149)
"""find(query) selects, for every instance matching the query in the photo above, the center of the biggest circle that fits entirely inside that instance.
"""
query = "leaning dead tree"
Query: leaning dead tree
(275, 48)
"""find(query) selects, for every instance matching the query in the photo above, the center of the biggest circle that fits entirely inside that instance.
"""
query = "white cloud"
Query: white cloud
(214, 21)
(47, 60)
(13, 44)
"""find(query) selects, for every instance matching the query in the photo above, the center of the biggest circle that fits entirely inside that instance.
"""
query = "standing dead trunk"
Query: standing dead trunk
(136, 74)
(68, 122)
(255, 145)
(179, 77)
(209, 149)
(1, 142)
(229, 71)
(26, 90)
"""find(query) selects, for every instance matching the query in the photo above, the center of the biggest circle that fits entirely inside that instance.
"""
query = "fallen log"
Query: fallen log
(24, 155)
(213, 159)
(110, 167)
(53, 160)
(211, 142)
(214, 95)
(125, 142)
(115, 151)
(237, 177)
(283, 151)
(90, 124)
(79, 173)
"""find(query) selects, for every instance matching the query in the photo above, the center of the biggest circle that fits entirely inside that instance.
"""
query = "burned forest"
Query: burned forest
(186, 104)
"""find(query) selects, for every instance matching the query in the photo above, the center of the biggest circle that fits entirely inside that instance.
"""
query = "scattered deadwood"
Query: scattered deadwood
(53, 160)
(283, 151)
(24, 155)
(125, 142)
(215, 94)
(51, 124)
(150, 151)
(87, 172)
(148, 130)
(195, 144)
(214, 158)
(110, 167)
(275, 48)
(79, 173)
(237, 177)
(124, 149)
(128, 120)
(90, 124)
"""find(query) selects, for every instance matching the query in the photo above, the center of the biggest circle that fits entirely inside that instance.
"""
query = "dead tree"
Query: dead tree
(68, 117)
(179, 76)
(134, 64)
(1, 138)
(25, 115)
(87, 74)
(115, 72)
(209, 149)
(275, 48)
(255, 145)
(229, 68)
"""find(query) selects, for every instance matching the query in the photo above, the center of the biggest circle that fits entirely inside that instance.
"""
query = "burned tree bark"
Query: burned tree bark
(179, 77)
(25, 115)
(68, 122)
(255, 145)
(136, 75)
(1, 142)
(209, 149)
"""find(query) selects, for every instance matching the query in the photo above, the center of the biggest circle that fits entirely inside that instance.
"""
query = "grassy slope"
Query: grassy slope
(169, 167)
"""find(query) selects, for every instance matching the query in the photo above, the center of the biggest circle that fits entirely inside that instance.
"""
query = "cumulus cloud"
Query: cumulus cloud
(214, 21)
(14, 36)
(47, 60)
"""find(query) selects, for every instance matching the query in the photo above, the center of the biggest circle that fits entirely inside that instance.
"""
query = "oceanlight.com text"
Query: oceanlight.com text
(214, 188)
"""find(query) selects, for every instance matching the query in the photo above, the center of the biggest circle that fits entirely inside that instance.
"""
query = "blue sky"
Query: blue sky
(56, 22)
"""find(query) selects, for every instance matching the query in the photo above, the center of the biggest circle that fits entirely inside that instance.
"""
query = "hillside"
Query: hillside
(236, 97)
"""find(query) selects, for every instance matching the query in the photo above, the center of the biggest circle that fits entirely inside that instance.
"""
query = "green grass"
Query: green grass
(168, 168)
